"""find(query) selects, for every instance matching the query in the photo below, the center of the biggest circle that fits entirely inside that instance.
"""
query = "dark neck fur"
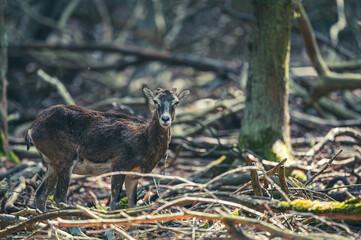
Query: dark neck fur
(157, 135)
(158, 139)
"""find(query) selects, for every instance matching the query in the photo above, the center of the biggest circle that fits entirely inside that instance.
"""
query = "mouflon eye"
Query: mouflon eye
(155, 102)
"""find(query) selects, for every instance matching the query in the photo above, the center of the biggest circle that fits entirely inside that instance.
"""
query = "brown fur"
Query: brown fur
(75, 139)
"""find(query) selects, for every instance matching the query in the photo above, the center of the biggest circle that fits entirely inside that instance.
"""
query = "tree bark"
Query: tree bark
(3, 72)
(4, 145)
(265, 124)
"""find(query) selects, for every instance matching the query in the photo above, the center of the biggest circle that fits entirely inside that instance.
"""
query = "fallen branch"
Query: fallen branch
(115, 228)
(330, 137)
(353, 64)
(269, 173)
(316, 122)
(15, 193)
(212, 118)
(59, 86)
(200, 63)
(323, 169)
(262, 225)
(347, 210)
(35, 219)
(328, 81)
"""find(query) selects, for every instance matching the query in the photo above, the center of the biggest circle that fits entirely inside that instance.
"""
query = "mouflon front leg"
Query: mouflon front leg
(131, 183)
(116, 186)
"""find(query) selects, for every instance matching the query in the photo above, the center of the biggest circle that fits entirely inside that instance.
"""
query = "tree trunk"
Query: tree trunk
(4, 147)
(265, 124)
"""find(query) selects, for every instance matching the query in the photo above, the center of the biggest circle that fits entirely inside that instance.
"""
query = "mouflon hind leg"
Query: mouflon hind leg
(64, 174)
(48, 184)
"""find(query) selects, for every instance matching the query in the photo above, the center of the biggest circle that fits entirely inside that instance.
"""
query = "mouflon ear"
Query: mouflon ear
(148, 93)
(183, 94)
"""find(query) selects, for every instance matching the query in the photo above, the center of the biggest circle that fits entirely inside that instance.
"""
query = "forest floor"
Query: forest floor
(205, 192)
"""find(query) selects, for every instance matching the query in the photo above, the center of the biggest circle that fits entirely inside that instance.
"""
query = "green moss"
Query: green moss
(301, 205)
(148, 236)
(322, 207)
(269, 146)
(123, 204)
(282, 205)
(10, 155)
(353, 201)
(235, 213)
(299, 175)
(51, 201)
(205, 225)
(100, 209)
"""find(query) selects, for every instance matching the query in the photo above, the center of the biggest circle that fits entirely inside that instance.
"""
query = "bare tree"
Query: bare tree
(265, 124)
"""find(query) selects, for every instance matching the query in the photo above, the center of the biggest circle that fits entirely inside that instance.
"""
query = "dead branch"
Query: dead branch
(330, 137)
(328, 81)
(213, 118)
(59, 86)
(282, 178)
(257, 189)
(184, 214)
(353, 64)
(145, 54)
(13, 170)
(316, 122)
(28, 9)
(115, 228)
(69, 9)
(193, 200)
(15, 193)
(269, 173)
(39, 218)
(333, 210)
(323, 169)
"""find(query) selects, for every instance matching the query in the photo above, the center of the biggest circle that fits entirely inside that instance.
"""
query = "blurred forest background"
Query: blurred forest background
(99, 54)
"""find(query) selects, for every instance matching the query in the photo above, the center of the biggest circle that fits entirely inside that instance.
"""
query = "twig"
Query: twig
(331, 135)
(284, 195)
(25, 224)
(282, 178)
(104, 14)
(323, 169)
(188, 200)
(115, 228)
(269, 173)
(239, 169)
(346, 186)
(19, 189)
(315, 122)
(59, 86)
(215, 117)
(254, 177)
(143, 175)
(329, 81)
(37, 16)
(69, 9)
(275, 231)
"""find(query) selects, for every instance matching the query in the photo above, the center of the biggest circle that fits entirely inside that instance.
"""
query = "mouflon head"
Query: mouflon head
(166, 101)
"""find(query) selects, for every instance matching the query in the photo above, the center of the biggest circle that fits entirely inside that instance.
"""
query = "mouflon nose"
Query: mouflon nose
(165, 118)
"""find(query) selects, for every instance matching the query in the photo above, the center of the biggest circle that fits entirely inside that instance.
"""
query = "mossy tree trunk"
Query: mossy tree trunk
(265, 124)
(4, 146)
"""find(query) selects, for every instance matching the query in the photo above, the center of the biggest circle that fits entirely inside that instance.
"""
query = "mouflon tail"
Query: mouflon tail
(28, 140)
